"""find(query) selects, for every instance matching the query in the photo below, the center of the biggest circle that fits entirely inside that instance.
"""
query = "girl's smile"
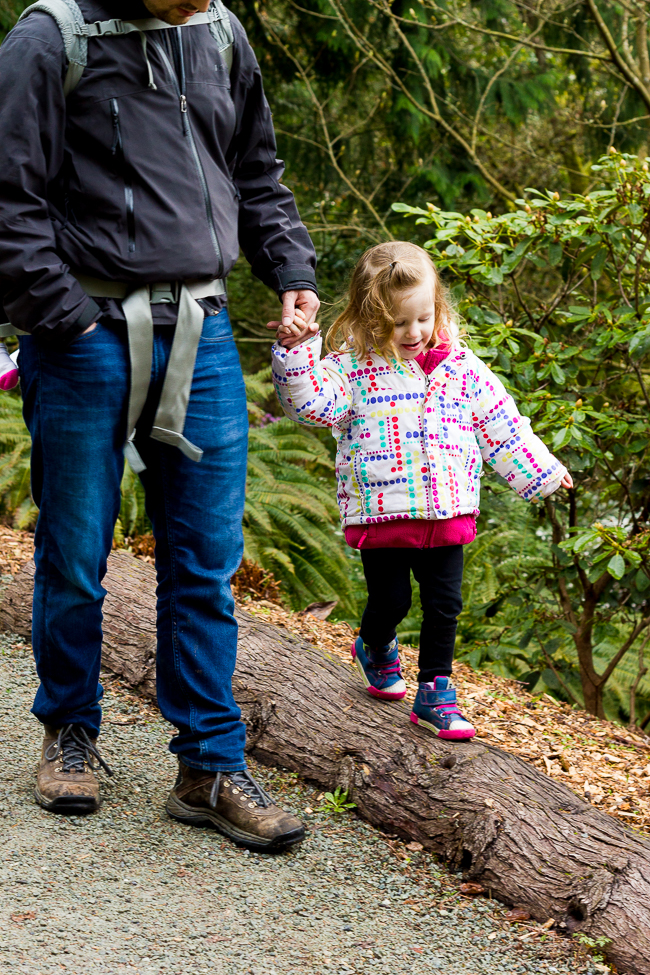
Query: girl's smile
(415, 320)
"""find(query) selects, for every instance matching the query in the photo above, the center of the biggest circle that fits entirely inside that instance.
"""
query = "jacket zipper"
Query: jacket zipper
(187, 130)
(117, 150)
(183, 86)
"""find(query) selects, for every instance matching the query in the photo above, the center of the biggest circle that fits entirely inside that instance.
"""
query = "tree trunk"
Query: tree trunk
(592, 688)
(524, 836)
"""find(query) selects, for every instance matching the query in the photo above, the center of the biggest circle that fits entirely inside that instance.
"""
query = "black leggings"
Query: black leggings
(439, 572)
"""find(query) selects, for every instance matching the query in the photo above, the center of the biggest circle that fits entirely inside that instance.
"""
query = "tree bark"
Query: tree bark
(524, 836)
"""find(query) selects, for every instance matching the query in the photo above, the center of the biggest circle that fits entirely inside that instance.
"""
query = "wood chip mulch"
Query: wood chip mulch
(16, 548)
(602, 762)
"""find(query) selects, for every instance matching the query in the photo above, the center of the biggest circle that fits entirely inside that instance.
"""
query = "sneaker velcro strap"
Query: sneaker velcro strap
(434, 698)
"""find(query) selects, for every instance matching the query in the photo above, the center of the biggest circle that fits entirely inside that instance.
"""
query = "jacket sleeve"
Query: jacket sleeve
(272, 236)
(37, 291)
(508, 444)
(311, 391)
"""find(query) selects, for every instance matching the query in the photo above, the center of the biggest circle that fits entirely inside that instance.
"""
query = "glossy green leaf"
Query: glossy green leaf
(597, 264)
(616, 566)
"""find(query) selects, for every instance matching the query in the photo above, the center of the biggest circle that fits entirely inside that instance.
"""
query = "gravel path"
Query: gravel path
(129, 890)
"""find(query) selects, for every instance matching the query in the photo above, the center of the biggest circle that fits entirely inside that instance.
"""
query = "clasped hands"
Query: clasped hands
(298, 323)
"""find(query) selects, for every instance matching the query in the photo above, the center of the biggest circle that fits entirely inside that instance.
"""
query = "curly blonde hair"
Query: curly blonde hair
(382, 276)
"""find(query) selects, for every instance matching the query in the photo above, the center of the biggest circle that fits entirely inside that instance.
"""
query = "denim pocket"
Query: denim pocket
(84, 336)
(217, 328)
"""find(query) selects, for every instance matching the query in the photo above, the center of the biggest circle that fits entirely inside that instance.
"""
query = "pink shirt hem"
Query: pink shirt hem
(413, 533)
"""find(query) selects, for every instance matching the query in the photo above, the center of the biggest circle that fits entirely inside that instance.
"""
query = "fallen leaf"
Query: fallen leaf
(548, 924)
(471, 890)
(414, 847)
(27, 916)
(517, 915)
(320, 610)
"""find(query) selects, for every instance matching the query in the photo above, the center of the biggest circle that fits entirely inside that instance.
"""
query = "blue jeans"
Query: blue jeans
(75, 403)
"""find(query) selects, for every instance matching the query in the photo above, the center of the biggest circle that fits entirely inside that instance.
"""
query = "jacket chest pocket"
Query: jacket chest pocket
(122, 170)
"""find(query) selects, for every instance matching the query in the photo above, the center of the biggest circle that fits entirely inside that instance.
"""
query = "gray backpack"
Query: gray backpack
(75, 33)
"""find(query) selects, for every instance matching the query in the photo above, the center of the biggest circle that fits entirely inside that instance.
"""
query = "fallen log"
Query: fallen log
(522, 835)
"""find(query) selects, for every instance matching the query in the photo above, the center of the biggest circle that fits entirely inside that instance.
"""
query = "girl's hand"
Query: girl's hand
(567, 481)
(289, 336)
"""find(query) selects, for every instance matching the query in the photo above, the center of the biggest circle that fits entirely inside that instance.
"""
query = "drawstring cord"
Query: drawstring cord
(143, 38)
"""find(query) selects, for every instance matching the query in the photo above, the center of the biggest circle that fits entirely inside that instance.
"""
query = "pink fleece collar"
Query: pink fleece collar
(432, 357)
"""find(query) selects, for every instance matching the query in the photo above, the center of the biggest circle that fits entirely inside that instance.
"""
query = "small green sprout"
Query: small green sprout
(337, 801)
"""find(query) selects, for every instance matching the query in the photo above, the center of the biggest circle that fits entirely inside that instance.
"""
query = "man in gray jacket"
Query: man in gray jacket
(122, 210)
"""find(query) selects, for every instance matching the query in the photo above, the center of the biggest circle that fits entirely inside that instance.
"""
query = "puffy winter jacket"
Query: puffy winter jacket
(411, 445)
(120, 182)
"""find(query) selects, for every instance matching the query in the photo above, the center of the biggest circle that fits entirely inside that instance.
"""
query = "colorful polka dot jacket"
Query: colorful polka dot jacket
(411, 445)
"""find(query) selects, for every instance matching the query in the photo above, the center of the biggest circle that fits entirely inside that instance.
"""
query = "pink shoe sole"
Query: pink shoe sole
(382, 695)
(439, 733)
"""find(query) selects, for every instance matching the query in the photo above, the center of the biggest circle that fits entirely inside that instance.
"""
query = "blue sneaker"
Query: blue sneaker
(435, 708)
(380, 670)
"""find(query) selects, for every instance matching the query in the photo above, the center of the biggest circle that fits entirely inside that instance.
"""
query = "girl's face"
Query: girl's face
(414, 320)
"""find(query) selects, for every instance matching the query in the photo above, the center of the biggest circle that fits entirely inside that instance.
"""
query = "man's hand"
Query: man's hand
(89, 329)
(289, 336)
(299, 310)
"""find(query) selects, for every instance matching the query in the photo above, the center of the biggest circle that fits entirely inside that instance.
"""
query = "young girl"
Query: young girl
(414, 413)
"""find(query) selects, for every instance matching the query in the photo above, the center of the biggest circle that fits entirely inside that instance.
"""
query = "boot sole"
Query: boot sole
(67, 805)
(382, 695)
(177, 809)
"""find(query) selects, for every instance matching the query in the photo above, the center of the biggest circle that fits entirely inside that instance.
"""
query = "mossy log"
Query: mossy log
(522, 835)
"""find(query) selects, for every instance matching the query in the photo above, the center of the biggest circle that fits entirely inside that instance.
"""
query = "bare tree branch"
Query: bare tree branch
(630, 76)
(329, 145)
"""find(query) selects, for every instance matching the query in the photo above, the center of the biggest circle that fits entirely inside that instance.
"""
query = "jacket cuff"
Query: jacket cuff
(552, 486)
(90, 314)
(294, 277)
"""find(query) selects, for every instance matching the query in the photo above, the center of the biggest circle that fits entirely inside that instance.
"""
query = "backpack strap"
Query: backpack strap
(221, 30)
(69, 20)
(75, 32)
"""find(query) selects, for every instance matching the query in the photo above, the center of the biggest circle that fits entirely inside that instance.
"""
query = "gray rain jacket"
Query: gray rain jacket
(134, 184)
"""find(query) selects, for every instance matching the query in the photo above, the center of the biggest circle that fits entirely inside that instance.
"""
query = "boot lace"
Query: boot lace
(76, 750)
(246, 783)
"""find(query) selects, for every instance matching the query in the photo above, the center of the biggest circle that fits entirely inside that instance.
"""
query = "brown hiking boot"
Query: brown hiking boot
(236, 805)
(66, 780)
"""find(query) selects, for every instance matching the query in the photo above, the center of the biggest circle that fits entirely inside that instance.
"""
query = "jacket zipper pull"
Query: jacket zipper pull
(184, 114)
(116, 126)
